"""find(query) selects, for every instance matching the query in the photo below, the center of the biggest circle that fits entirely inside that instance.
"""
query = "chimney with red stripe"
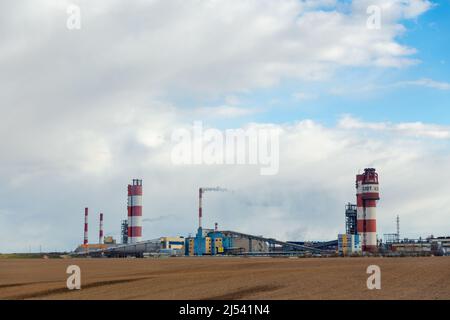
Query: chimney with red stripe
(100, 234)
(200, 194)
(135, 211)
(85, 242)
(367, 195)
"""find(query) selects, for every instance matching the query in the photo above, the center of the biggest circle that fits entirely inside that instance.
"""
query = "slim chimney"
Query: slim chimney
(85, 242)
(100, 235)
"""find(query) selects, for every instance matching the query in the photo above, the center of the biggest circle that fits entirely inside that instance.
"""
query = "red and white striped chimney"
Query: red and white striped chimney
(367, 195)
(200, 193)
(135, 211)
(85, 242)
(100, 233)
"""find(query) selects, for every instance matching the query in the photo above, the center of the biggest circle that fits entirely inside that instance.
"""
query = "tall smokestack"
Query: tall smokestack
(367, 195)
(200, 192)
(398, 228)
(216, 227)
(100, 233)
(200, 199)
(85, 242)
(135, 211)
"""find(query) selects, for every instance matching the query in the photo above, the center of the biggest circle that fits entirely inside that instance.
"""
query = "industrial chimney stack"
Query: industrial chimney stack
(135, 211)
(200, 194)
(85, 242)
(367, 195)
(100, 234)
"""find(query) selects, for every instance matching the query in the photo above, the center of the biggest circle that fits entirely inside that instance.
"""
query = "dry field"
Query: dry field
(226, 278)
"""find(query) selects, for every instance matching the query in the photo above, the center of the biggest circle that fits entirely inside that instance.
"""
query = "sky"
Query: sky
(83, 111)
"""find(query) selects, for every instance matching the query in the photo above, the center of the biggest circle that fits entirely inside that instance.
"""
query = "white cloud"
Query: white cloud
(371, 86)
(392, 10)
(413, 129)
(225, 111)
(206, 47)
(302, 96)
(425, 82)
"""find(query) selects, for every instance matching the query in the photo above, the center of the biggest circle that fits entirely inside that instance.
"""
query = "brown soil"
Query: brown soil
(227, 278)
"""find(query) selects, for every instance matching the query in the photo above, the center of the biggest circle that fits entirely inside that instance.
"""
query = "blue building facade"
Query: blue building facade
(207, 243)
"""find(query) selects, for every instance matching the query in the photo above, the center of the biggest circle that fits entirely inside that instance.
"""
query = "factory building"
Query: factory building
(206, 242)
(217, 242)
(437, 246)
(93, 246)
(176, 243)
(109, 240)
(214, 242)
(440, 245)
(202, 242)
(243, 245)
(349, 244)
(411, 247)
(173, 246)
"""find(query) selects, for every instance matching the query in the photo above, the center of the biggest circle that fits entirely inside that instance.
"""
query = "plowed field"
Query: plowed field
(226, 278)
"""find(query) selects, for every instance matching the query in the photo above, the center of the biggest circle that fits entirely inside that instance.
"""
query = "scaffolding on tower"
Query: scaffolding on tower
(351, 219)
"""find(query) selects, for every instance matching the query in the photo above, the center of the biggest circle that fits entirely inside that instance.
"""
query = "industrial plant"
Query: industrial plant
(360, 237)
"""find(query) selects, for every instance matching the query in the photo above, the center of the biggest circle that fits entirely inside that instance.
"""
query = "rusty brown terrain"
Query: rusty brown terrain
(226, 278)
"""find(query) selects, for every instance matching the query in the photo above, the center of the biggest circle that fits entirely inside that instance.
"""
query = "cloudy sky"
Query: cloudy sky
(84, 111)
